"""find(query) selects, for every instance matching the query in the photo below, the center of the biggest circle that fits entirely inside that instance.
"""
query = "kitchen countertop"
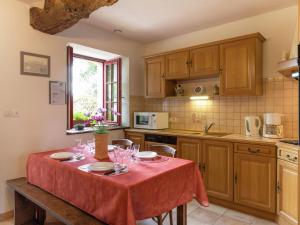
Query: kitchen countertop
(197, 134)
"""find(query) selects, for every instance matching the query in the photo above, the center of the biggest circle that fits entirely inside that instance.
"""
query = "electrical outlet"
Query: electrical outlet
(11, 113)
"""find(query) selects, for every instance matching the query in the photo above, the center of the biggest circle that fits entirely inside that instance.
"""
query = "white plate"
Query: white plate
(62, 155)
(101, 166)
(146, 155)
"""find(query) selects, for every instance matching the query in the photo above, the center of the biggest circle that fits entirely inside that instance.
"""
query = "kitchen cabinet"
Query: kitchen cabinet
(204, 61)
(287, 186)
(287, 192)
(255, 177)
(155, 83)
(241, 67)
(189, 148)
(177, 65)
(237, 61)
(136, 138)
(218, 169)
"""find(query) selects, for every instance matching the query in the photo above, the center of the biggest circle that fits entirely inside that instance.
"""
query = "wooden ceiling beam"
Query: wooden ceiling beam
(59, 15)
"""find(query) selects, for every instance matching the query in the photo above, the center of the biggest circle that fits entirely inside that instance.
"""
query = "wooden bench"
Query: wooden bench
(32, 204)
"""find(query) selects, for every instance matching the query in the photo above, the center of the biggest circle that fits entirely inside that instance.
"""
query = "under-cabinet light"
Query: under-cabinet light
(199, 97)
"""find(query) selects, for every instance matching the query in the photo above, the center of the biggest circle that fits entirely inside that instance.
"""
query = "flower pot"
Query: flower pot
(101, 143)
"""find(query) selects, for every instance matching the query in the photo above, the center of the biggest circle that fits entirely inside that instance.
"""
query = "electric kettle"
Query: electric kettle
(252, 125)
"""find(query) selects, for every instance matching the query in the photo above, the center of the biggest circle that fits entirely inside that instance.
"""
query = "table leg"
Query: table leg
(182, 215)
(26, 212)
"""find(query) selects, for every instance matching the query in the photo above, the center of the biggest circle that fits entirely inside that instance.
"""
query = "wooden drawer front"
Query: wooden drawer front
(288, 155)
(255, 149)
(136, 138)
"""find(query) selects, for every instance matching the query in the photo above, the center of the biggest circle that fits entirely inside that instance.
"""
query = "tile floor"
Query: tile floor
(212, 215)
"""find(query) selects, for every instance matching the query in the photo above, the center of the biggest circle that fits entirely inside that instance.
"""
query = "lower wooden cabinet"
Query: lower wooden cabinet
(136, 138)
(255, 181)
(287, 192)
(189, 148)
(218, 169)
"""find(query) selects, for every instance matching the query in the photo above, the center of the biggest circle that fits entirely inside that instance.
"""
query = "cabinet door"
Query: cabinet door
(287, 191)
(155, 83)
(177, 65)
(204, 61)
(238, 67)
(188, 148)
(218, 169)
(136, 138)
(254, 179)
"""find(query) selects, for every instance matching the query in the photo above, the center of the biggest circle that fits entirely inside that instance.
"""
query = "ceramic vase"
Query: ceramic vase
(101, 143)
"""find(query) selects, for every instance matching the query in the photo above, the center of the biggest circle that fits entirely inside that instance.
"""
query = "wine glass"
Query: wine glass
(115, 158)
(135, 150)
(91, 146)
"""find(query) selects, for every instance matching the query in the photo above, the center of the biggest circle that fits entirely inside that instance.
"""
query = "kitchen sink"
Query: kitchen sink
(215, 134)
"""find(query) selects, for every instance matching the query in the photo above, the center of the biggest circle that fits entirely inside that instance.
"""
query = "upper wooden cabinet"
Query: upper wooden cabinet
(241, 67)
(218, 169)
(204, 61)
(155, 83)
(177, 65)
(238, 61)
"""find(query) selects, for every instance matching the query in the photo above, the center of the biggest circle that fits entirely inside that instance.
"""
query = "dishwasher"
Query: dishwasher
(156, 139)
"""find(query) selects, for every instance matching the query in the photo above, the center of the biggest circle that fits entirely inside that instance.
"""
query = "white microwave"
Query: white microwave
(151, 120)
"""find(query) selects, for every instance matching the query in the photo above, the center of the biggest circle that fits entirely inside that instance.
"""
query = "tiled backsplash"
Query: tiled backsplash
(280, 95)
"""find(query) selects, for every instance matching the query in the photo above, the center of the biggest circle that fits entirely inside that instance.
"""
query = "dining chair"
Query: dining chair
(164, 150)
(123, 143)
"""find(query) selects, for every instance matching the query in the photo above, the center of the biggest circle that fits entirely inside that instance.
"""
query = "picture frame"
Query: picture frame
(35, 64)
(57, 93)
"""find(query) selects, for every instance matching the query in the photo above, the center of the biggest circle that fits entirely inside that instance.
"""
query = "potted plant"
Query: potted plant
(101, 133)
(80, 120)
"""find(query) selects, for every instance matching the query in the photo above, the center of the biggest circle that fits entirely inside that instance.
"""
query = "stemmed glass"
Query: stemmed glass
(135, 148)
(91, 146)
(115, 158)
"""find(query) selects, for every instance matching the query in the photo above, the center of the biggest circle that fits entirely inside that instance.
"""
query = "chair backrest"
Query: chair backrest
(123, 143)
(164, 150)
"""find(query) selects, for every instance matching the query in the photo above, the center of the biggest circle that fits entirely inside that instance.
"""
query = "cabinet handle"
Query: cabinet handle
(292, 159)
(235, 178)
(203, 168)
(163, 75)
(187, 62)
(278, 187)
(253, 150)
(199, 165)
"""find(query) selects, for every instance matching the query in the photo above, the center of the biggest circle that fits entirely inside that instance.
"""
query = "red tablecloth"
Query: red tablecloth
(147, 190)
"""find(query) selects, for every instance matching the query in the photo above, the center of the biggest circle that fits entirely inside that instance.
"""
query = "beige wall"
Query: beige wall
(278, 27)
(42, 126)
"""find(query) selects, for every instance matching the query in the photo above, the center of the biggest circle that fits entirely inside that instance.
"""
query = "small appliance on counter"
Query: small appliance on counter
(151, 120)
(252, 125)
(273, 127)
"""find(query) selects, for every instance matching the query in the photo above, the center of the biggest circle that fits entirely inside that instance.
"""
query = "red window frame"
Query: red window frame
(70, 56)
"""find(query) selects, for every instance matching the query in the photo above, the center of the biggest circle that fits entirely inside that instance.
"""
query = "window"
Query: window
(93, 83)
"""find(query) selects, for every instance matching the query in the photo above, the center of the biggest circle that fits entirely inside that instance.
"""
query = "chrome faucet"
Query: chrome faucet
(207, 127)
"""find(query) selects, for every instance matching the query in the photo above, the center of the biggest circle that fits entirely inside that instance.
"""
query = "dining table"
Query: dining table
(148, 189)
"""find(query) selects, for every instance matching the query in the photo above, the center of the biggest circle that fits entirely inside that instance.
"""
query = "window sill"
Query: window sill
(90, 130)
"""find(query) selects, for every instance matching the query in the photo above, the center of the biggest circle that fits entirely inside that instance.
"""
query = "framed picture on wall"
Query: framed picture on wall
(35, 64)
(57, 92)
